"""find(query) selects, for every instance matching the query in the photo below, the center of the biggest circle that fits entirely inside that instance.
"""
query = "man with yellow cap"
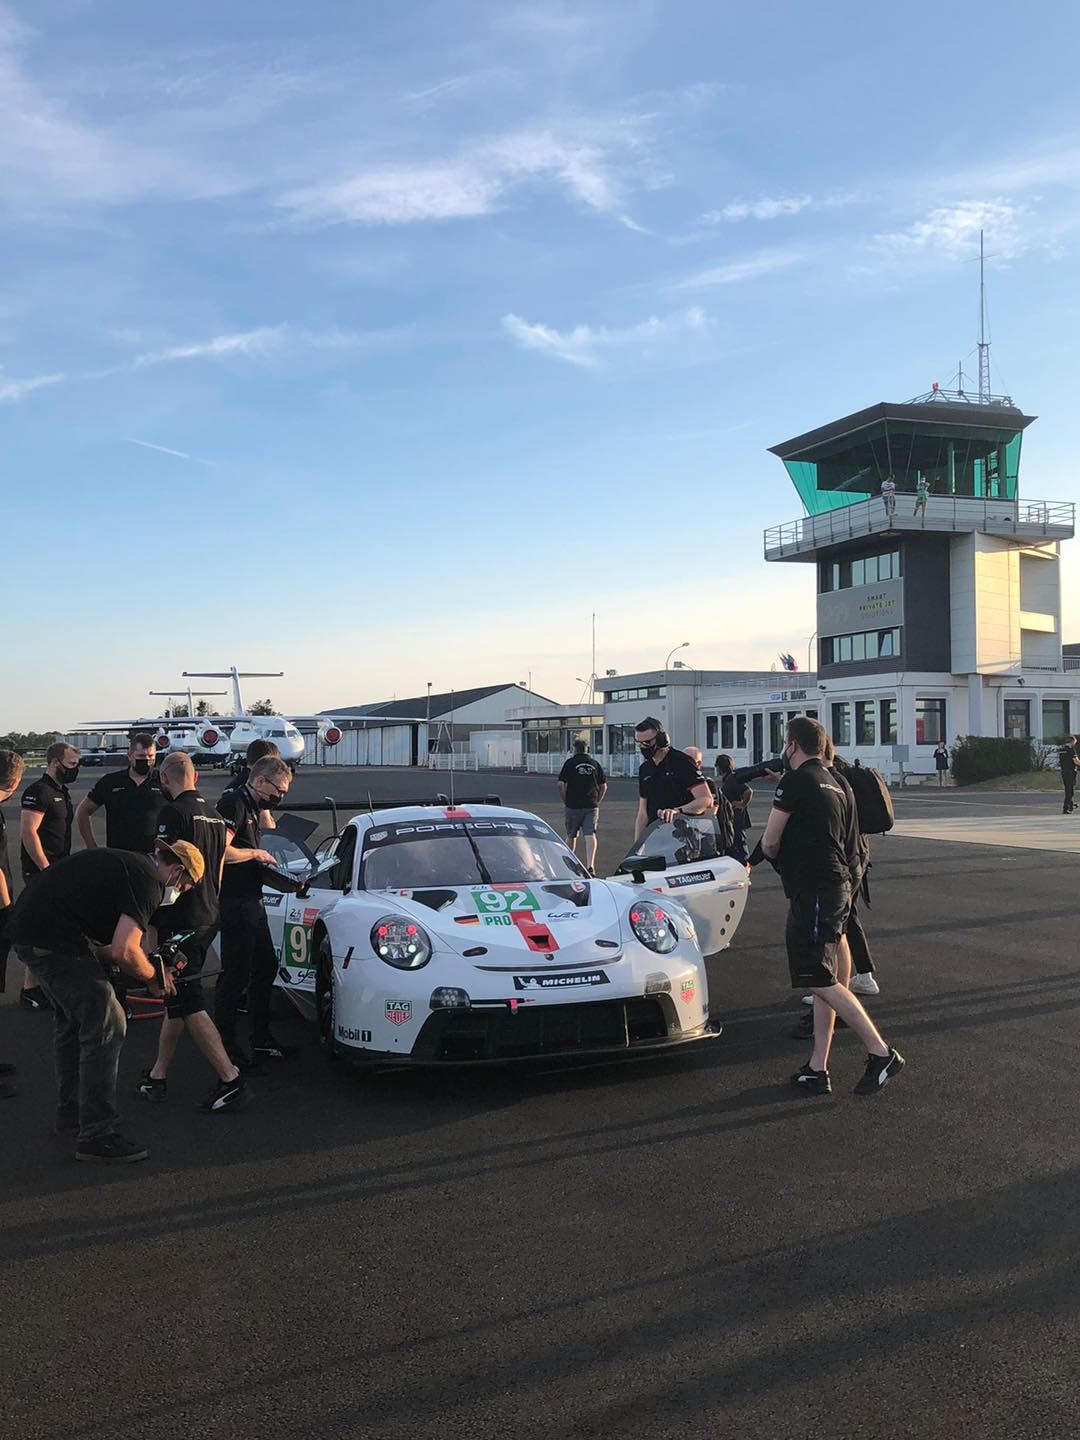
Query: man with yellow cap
(86, 912)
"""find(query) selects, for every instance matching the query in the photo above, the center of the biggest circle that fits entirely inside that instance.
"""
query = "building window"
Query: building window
(740, 732)
(929, 721)
(776, 731)
(621, 740)
(865, 730)
(727, 732)
(855, 570)
(1018, 719)
(643, 692)
(710, 732)
(1055, 718)
(863, 645)
(888, 722)
(841, 723)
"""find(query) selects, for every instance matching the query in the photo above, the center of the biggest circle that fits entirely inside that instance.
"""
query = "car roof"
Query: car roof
(409, 814)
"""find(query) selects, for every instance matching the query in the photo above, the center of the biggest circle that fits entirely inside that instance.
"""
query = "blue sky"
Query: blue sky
(384, 344)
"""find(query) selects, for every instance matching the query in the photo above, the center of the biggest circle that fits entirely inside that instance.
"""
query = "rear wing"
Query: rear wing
(355, 806)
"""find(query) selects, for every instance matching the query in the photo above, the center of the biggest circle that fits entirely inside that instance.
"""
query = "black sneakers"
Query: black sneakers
(225, 1095)
(812, 1082)
(156, 1091)
(34, 998)
(879, 1071)
(269, 1049)
(110, 1150)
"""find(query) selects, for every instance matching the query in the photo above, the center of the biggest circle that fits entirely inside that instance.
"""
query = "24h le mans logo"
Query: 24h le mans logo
(399, 1012)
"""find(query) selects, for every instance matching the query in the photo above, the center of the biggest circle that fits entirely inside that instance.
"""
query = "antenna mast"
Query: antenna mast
(984, 344)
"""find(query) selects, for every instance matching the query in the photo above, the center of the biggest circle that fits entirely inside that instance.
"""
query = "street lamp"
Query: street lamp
(809, 643)
(667, 662)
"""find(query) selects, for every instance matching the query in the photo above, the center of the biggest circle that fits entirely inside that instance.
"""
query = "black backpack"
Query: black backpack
(725, 818)
(873, 802)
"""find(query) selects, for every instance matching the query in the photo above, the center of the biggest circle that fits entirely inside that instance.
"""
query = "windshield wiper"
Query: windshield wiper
(484, 876)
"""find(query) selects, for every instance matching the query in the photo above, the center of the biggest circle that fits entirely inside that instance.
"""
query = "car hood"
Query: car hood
(507, 923)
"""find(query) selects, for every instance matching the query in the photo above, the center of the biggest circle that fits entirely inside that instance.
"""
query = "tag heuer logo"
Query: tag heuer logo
(399, 1012)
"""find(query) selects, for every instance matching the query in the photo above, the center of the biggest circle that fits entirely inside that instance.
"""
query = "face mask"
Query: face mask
(648, 748)
(68, 773)
(141, 766)
(273, 802)
(172, 894)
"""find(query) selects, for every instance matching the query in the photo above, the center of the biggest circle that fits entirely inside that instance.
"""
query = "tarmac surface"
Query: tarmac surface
(671, 1246)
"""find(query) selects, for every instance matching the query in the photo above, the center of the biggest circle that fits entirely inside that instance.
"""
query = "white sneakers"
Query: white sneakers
(864, 985)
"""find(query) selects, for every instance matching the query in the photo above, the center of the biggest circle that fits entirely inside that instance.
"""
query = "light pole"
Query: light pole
(667, 662)
(809, 643)
(427, 720)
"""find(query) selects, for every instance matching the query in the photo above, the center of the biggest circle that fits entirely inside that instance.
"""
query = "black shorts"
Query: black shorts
(815, 926)
(189, 998)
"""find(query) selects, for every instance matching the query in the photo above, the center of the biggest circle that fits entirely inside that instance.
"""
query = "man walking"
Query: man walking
(186, 816)
(888, 495)
(248, 957)
(131, 800)
(45, 833)
(582, 787)
(812, 836)
(11, 772)
(669, 783)
(1068, 760)
(90, 910)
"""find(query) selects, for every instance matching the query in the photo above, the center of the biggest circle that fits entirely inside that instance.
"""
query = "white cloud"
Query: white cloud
(248, 342)
(763, 209)
(953, 230)
(13, 390)
(747, 267)
(587, 346)
(163, 449)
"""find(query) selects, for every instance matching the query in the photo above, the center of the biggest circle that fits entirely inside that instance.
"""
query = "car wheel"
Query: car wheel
(324, 993)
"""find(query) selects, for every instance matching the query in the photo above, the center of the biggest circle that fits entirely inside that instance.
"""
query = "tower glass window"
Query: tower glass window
(929, 720)
(841, 723)
(1055, 719)
(1018, 719)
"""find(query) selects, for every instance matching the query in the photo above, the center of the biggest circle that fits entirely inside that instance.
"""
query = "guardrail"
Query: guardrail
(958, 513)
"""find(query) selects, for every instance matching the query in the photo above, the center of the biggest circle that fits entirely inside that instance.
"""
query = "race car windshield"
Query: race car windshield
(416, 857)
(682, 842)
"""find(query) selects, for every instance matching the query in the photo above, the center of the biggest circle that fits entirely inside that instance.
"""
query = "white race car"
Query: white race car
(435, 934)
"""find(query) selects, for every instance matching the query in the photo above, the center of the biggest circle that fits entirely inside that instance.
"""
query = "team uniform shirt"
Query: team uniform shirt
(584, 778)
(1067, 759)
(131, 810)
(670, 784)
(240, 810)
(188, 817)
(81, 899)
(819, 844)
(5, 862)
(51, 800)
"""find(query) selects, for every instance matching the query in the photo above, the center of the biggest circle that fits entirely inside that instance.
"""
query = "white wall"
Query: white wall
(496, 748)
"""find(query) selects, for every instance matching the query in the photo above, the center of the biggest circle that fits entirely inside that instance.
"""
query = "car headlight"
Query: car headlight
(400, 942)
(654, 927)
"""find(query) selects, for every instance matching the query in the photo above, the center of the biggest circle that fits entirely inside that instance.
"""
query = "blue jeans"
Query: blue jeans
(90, 1030)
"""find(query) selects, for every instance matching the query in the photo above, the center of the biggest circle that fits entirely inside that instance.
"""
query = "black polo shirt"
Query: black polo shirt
(584, 778)
(5, 859)
(240, 810)
(131, 809)
(819, 844)
(82, 898)
(188, 817)
(52, 801)
(670, 784)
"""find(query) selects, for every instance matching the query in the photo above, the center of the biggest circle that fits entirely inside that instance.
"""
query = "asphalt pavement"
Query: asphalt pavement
(668, 1246)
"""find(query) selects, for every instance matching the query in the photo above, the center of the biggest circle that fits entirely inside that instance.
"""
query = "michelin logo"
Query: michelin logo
(559, 982)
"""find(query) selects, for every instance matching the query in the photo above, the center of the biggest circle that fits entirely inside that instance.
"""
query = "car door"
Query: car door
(292, 918)
(681, 859)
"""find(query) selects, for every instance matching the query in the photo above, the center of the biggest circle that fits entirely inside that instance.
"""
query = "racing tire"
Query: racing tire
(324, 995)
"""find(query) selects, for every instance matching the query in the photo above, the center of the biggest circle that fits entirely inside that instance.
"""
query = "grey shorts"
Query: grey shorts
(581, 822)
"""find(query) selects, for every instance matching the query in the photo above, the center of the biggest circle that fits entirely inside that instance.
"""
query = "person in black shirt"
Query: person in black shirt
(582, 786)
(257, 750)
(195, 916)
(668, 780)
(45, 833)
(91, 908)
(812, 836)
(11, 772)
(131, 799)
(248, 957)
(1068, 760)
(738, 795)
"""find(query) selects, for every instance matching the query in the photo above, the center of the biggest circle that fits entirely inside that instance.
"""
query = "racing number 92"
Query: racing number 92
(501, 902)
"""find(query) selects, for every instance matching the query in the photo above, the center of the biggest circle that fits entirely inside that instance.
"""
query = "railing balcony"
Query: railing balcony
(1032, 520)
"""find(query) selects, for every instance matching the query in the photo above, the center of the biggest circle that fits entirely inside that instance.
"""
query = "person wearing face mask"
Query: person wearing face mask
(131, 800)
(91, 910)
(669, 782)
(194, 917)
(11, 772)
(257, 750)
(45, 814)
(248, 957)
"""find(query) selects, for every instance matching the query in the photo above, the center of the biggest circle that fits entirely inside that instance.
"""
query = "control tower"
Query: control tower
(960, 595)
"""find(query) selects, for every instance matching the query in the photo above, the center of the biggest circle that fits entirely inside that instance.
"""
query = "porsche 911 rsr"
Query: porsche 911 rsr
(468, 934)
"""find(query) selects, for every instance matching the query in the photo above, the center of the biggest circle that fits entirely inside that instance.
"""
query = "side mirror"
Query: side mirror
(638, 865)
